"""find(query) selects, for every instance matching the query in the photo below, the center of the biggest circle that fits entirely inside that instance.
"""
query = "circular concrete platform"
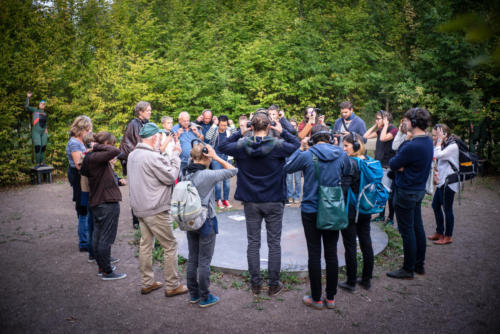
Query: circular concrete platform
(231, 245)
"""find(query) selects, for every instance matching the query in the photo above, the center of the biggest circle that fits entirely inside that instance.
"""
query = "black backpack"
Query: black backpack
(467, 164)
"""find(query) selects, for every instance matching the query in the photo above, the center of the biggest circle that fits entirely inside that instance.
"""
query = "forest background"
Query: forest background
(100, 57)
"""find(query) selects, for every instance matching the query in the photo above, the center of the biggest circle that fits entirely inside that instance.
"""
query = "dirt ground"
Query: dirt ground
(47, 285)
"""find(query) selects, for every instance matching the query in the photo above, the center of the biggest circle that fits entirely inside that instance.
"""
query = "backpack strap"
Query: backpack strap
(316, 169)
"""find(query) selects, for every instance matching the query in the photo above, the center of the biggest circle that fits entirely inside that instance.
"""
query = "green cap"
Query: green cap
(150, 129)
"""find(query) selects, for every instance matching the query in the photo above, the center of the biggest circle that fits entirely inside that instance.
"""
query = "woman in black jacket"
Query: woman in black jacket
(354, 147)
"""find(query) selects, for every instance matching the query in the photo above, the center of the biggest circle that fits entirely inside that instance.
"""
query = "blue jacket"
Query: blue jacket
(357, 125)
(185, 141)
(333, 164)
(415, 156)
(260, 161)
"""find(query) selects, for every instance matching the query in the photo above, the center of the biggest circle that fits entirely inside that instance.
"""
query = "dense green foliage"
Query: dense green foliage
(99, 58)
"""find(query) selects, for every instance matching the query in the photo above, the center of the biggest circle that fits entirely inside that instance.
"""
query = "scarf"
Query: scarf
(350, 118)
(449, 140)
(193, 168)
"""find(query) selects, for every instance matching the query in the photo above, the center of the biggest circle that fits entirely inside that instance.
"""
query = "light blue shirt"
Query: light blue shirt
(185, 140)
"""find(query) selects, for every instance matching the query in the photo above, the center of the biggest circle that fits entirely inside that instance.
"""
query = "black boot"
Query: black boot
(400, 274)
(347, 286)
(365, 283)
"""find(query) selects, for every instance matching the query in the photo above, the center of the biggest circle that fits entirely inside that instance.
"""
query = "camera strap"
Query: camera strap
(345, 125)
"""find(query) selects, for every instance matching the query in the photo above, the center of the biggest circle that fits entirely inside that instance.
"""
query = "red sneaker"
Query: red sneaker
(220, 205)
(227, 204)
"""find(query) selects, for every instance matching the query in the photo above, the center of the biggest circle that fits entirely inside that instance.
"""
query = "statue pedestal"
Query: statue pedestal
(42, 173)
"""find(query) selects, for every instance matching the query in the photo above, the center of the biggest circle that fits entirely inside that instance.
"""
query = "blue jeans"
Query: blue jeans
(294, 188)
(183, 165)
(407, 205)
(90, 222)
(90, 226)
(444, 198)
(225, 184)
(201, 250)
(81, 210)
(83, 231)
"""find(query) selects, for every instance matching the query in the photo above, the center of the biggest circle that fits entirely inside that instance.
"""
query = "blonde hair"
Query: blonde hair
(80, 124)
(350, 139)
(196, 152)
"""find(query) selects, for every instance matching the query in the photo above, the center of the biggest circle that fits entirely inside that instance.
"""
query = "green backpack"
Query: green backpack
(331, 214)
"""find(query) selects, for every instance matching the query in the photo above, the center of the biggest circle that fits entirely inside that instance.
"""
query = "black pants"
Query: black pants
(105, 227)
(391, 207)
(443, 201)
(313, 239)
(361, 229)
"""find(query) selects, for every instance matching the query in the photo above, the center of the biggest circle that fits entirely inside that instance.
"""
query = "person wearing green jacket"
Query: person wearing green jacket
(38, 129)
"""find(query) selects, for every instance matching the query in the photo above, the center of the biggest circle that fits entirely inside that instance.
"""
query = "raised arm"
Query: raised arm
(371, 132)
(230, 146)
(27, 104)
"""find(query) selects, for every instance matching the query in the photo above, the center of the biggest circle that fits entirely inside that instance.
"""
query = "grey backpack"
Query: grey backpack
(186, 206)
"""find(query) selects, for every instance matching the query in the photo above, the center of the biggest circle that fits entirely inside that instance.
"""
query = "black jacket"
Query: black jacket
(131, 137)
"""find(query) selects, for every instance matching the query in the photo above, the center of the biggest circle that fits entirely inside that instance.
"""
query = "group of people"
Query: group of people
(269, 154)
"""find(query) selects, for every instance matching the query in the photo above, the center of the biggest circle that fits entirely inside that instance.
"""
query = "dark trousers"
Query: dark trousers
(407, 204)
(105, 227)
(201, 250)
(443, 200)
(361, 229)
(313, 239)
(272, 213)
(391, 207)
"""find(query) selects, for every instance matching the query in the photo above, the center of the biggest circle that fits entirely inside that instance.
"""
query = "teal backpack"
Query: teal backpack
(372, 194)
(332, 213)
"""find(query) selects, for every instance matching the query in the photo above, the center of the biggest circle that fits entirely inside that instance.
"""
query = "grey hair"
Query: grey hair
(166, 118)
(207, 110)
(184, 113)
(141, 106)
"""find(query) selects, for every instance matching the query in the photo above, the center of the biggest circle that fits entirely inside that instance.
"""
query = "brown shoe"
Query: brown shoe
(256, 289)
(181, 289)
(275, 290)
(443, 241)
(435, 236)
(154, 286)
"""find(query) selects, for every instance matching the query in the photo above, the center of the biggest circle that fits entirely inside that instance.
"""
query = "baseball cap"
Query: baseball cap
(150, 129)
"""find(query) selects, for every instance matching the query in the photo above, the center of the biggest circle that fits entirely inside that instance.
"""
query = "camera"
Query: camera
(196, 125)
